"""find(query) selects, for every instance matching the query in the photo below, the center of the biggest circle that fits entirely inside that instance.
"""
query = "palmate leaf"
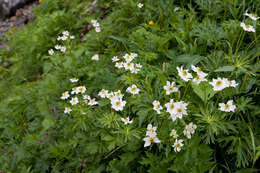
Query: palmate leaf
(203, 90)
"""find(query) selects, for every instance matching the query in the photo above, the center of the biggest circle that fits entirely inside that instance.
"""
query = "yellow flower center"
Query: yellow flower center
(118, 103)
(198, 77)
(247, 26)
(219, 83)
(179, 110)
(151, 139)
(158, 106)
(171, 88)
(172, 106)
(133, 89)
(178, 145)
(227, 106)
(199, 70)
(184, 73)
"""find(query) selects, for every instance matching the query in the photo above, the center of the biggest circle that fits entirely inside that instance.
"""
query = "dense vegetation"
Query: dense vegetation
(204, 135)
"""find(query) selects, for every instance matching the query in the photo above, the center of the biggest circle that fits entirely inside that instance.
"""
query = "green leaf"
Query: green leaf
(225, 69)
(203, 90)
(47, 123)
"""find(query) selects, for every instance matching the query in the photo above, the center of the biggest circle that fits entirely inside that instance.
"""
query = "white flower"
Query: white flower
(151, 139)
(174, 134)
(170, 107)
(103, 93)
(74, 101)
(198, 70)
(92, 102)
(134, 55)
(75, 90)
(128, 65)
(67, 110)
(169, 88)
(110, 96)
(232, 83)
(138, 65)
(118, 94)
(51, 52)
(74, 80)
(94, 22)
(177, 145)
(246, 27)
(219, 84)
(180, 109)
(189, 130)
(184, 74)
(118, 104)
(140, 5)
(82, 89)
(66, 33)
(199, 78)
(58, 47)
(95, 57)
(119, 65)
(134, 70)
(59, 38)
(65, 95)
(64, 37)
(72, 37)
(252, 16)
(63, 49)
(133, 89)
(128, 58)
(86, 97)
(126, 120)
(98, 29)
(157, 107)
(151, 131)
(176, 9)
(228, 107)
(115, 59)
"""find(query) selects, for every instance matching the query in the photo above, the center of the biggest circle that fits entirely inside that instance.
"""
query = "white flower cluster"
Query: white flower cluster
(151, 136)
(96, 25)
(116, 99)
(186, 76)
(218, 84)
(222, 83)
(189, 130)
(128, 64)
(176, 109)
(247, 27)
(65, 35)
(75, 100)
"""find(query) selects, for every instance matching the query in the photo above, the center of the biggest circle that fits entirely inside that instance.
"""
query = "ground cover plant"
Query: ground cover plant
(133, 86)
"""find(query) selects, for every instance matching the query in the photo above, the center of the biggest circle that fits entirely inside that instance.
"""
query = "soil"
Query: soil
(19, 20)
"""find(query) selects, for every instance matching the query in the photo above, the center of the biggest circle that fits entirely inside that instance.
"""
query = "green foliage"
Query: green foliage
(37, 136)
